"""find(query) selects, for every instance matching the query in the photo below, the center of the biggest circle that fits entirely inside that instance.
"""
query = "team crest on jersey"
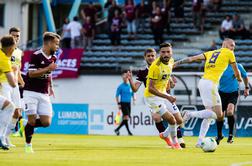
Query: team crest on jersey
(42, 62)
(12, 58)
(164, 76)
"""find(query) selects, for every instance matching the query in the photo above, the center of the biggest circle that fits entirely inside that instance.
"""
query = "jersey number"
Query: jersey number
(214, 57)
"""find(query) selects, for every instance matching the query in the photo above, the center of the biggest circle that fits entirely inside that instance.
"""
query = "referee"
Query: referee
(228, 90)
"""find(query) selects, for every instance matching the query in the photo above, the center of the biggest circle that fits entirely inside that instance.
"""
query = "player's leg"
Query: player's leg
(231, 121)
(15, 95)
(172, 107)
(7, 109)
(125, 107)
(219, 123)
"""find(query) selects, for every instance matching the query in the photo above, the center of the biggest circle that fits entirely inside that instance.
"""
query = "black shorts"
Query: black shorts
(227, 98)
(126, 107)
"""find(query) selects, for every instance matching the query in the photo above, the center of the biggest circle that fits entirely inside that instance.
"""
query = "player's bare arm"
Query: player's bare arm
(10, 78)
(134, 85)
(199, 57)
(155, 92)
(246, 84)
(237, 73)
(40, 72)
(20, 79)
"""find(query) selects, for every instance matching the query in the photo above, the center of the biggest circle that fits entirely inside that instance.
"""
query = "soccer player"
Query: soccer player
(161, 103)
(38, 87)
(10, 93)
(6, 106)
(216, 62)
(150, 56)
(124, 104)
(228, 90)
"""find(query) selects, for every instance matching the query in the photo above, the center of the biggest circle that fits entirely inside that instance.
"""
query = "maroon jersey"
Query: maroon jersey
(39, 84)
(142, 75)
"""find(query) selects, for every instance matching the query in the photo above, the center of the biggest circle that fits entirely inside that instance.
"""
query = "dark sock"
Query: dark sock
(118, 128)
(38, 123)
(179, 132)
(219, 128)
(127, 126)
(231, 122)
(29, 130)
(160, 126)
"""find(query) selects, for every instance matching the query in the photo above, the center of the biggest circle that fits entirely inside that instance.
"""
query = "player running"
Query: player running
(215, 64)
(150, 56)
(6, 106)
(38, 87)
(161, 103)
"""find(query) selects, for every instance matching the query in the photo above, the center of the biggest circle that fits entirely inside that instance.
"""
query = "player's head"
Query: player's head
(8, 45)
(124, 76)
(15, 32)
(51, 42)
(228, 43)
(165, 52)
(149, 55)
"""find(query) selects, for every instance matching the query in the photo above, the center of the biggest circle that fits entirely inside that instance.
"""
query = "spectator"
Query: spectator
(226, 27)
(197, 6)
(166, 12)
(88, 33)
(130, 17)
(111, 13)
(141, 14)
(213, 46)
(75, 29)
(154, 6)
(238, 29)
(91, 12)
(66, 35)
(216, 5)
(179, 9)
(157, 26)
(115, 31)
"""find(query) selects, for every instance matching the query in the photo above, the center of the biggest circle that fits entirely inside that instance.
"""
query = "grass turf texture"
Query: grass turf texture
(61, 150)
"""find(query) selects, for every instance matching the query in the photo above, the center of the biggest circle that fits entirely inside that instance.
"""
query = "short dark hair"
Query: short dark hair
(166, 44)
(7, 41)
(50, 36)
(148, 50)
(14, 29)
(76, 18)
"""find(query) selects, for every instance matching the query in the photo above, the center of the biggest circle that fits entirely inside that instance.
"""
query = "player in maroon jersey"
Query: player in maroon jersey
(38, 87)
(150, 56)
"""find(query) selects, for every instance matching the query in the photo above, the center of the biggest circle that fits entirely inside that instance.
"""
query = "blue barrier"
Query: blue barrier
(68, 119)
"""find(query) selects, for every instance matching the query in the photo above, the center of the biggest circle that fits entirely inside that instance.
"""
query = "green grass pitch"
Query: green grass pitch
(77, 150)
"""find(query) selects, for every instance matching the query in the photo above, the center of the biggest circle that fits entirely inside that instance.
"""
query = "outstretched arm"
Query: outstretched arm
(199, 57)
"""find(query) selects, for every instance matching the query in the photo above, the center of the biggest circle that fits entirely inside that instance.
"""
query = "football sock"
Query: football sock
(219, 128)
(29, 130)
(127, 126)
(231, 122)
(204, 114)
(38, 123)
(121, 124)
(203, 129)
(160, 127)
(179, 132)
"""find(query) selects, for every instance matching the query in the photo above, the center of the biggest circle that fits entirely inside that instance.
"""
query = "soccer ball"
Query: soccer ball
(208, 144)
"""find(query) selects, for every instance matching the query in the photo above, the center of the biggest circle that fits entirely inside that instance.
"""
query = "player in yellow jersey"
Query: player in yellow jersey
(156, 96)
(7, 91)
(216, 63)
(6, 107)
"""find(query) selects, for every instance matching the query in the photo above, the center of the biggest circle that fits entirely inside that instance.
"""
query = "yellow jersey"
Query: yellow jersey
(216, 63)
(160, 73)
(5, 66)
(15, 61)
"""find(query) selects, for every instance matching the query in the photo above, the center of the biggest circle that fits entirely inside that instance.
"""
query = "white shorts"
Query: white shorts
(12, 94)
(209, 93)
(2, 100)
(37, 103)
(160, 105)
